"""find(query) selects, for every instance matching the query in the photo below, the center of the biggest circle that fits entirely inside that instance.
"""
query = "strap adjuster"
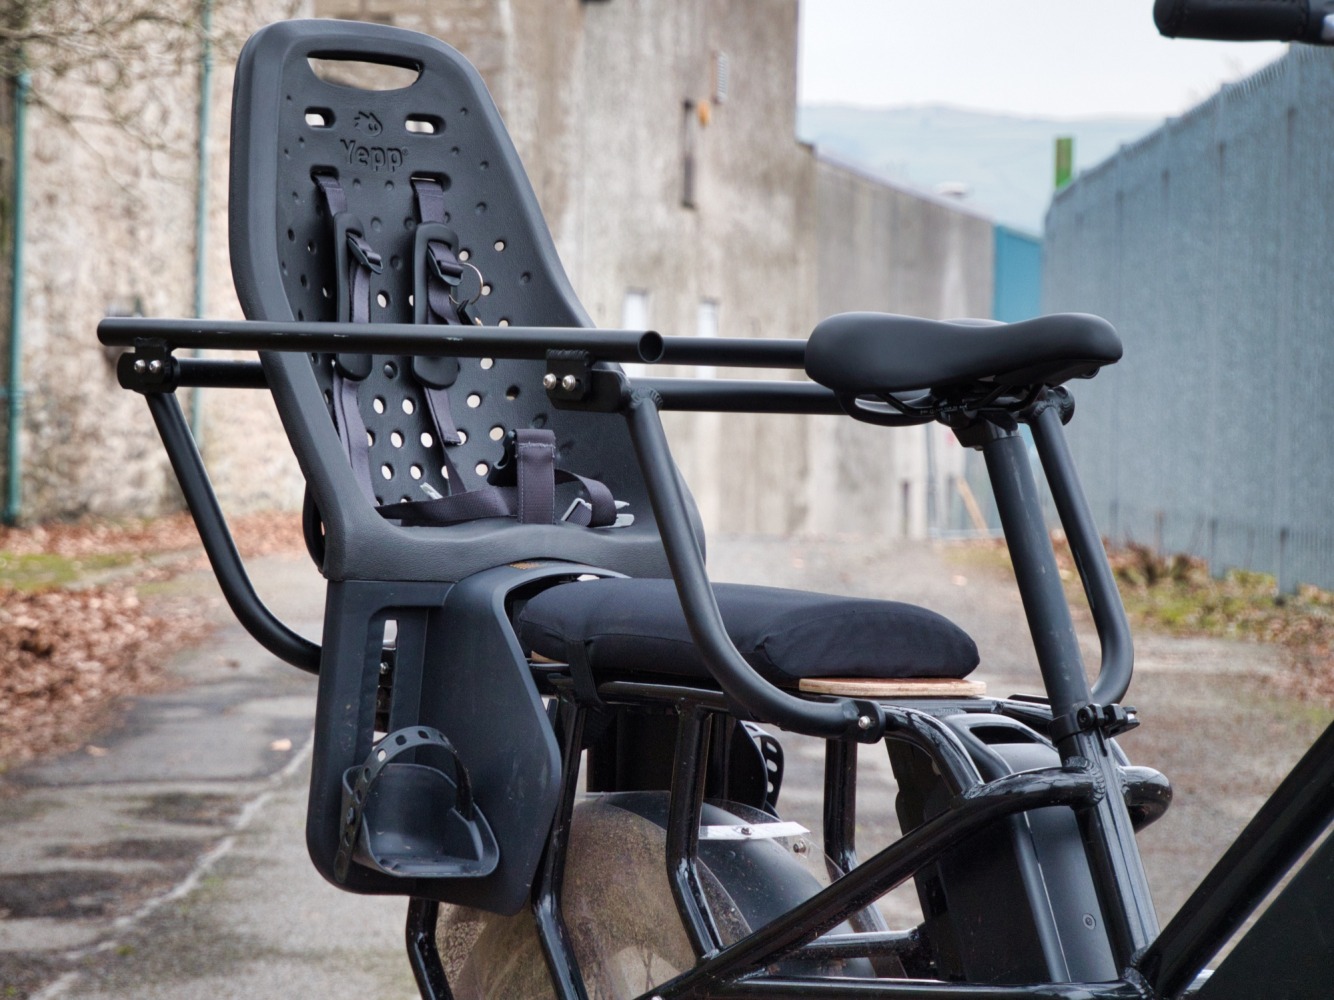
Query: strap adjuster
(364, 253)
(446, 266)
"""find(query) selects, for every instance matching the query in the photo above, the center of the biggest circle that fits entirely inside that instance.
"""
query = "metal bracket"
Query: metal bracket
(569, 376)
(384, 691)
(148, 368)
(1110, 720)
(573, 382)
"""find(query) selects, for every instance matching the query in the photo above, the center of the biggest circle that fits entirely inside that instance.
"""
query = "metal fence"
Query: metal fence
(1209, 244)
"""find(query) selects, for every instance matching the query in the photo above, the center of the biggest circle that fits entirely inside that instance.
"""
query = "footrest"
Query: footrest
(413, 820)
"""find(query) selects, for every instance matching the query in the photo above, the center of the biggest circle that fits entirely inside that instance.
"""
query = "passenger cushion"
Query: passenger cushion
(637, 626)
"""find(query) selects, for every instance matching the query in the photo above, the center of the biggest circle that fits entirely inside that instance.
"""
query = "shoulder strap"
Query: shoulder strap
(529, 492)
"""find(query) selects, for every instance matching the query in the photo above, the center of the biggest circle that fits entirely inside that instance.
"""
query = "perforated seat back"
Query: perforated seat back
(290, 124)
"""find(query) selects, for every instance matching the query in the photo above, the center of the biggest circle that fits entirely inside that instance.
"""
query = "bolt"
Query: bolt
(140, 366)
(569, 383)
(1089, 922)
(800, 847)
(155, 367)
(550, 381)
(864, 722)
(746, 831)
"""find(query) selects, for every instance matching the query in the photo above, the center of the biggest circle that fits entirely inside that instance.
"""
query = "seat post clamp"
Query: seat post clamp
(1110, 720)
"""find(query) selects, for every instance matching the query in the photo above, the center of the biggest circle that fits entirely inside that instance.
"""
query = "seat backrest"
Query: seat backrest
(290, 124)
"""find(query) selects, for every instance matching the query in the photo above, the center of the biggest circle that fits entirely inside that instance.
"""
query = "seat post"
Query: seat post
(1035, 570)
(1108, 833)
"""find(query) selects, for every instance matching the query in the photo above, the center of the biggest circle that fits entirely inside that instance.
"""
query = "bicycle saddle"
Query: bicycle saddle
(864, 352)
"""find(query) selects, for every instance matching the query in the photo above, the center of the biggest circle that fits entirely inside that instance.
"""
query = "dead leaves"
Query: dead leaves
(65, 654)
(68, 653)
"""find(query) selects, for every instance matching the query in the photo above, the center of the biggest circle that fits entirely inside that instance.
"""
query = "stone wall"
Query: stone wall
(660, 141)
(110, 229)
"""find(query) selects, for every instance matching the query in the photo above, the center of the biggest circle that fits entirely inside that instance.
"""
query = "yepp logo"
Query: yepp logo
(378, 158)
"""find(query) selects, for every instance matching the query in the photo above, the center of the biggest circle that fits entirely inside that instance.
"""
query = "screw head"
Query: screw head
(864, 722)
(549, 381)
(569, 383)
(155, 366)
(140, 366)
(800, 847)
(746, 831)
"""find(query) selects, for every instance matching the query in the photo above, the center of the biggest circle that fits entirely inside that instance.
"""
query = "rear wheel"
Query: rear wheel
(618, 906)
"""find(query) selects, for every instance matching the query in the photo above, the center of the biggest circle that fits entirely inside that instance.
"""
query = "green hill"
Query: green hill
(1004, 163)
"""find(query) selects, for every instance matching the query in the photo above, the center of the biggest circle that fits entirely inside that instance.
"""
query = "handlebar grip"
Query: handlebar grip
(1247, 20)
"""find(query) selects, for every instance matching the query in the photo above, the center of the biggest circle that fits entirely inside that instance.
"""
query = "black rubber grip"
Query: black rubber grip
(1243, 20)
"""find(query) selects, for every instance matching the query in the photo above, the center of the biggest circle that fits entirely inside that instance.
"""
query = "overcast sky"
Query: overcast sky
(1064, 58)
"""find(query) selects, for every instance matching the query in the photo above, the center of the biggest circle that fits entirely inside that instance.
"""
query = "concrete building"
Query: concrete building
(660, 138)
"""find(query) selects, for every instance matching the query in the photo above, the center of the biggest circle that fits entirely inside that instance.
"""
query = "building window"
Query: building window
(634, 316)
(706, 325)
(689, 126)
(722, 77)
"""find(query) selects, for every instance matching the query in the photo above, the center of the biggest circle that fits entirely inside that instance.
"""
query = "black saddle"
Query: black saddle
(862, 352)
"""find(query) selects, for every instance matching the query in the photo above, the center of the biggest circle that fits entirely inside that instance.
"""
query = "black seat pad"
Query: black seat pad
(637, 626)
(864, 352)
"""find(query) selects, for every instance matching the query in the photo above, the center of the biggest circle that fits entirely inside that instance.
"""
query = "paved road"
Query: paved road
(172, 865)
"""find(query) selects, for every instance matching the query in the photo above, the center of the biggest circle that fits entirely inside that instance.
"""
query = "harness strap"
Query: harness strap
(531, 495)
(531, 499)
(359, 261)
(441, 277)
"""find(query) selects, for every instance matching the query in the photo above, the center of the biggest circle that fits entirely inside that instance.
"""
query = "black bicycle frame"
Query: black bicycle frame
(1080, 718)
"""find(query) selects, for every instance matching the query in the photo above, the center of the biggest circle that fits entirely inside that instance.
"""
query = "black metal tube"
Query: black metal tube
(740, 352)
(1109, 615)
(220, 373)
(552, 934)
(683, 818)
(742, 395)
(250, 611)
(840, 804)
(423, 955)
(643, 346)
(756, 696)
(1299, 811)
(929, 734)
(921, 729)
(833, 947)
(764, 988)
(1108, 831)
(841, 826)
(1078, 787)
(656, 694)
(1035, 570)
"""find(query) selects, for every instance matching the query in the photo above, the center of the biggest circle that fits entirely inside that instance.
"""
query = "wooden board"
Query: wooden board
(912, 687)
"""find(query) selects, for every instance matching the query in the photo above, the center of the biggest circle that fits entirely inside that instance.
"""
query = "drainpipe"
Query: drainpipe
(201, 196)
(14, 389)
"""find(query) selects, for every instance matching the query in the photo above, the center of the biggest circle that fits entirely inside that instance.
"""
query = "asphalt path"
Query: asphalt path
(166, 858)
